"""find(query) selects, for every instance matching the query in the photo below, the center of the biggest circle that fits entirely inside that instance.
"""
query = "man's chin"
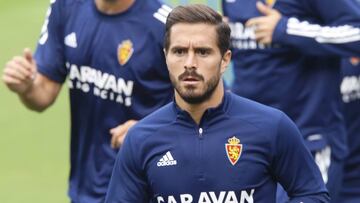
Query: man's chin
(193, 98)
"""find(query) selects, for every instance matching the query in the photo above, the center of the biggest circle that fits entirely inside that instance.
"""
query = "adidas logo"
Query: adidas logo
(70, 40)
(166, 160)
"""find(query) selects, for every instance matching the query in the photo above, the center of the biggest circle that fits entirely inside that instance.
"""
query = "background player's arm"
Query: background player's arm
(339, 35)
(36, 91)
(118, 133)
(128, 182)
(294, 167)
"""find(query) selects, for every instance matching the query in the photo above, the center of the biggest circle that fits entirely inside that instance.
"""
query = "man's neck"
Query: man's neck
(196, 111)
(111, 7)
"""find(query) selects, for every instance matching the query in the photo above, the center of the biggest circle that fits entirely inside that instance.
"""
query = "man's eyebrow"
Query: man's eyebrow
(179, 47)
(204, 48)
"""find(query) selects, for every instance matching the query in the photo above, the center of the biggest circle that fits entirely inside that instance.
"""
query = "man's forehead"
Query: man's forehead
(192, 27)
(198, 34)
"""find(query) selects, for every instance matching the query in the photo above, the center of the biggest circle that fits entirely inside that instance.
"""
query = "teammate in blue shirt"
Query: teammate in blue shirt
(111, 52)
(286, 54)
(350, 89)
(208, 145)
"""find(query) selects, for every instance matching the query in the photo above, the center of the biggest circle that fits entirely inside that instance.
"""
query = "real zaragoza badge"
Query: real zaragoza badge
(233, 149)
(270, 2)
(125, 50)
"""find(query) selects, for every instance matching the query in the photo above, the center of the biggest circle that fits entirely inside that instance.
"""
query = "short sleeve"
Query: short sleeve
(49, 54)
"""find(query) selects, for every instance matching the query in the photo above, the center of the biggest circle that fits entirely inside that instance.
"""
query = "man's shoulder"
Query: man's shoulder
(64, 8)
(164, 116)
(254, 112)
(153, 15)
(68, 3)
(250, 106)
(157, 10)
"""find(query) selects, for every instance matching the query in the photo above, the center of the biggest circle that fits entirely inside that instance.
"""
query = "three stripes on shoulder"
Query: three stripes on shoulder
(162, 13)
(323, 34)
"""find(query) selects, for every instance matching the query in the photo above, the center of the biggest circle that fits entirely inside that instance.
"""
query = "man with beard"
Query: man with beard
(111, 51)
(210, 145)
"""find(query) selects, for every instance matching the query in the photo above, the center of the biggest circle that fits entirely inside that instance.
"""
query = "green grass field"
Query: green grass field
(34, 147)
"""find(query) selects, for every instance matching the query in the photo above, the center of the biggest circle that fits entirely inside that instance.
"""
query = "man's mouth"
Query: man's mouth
(190, 79)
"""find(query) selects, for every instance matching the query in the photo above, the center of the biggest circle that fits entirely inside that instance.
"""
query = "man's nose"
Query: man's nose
(190, 61)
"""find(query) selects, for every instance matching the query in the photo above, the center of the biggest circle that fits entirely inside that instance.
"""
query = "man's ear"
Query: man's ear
(165, 53)
(225, 61)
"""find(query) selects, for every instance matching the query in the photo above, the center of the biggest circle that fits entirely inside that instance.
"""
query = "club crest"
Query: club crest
(270, 2)
(125, 51)
(233, 149)
(355, 61)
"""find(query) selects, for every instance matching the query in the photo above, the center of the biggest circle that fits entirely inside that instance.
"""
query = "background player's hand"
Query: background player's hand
(19, 73)
(118, 133)
(264, 25)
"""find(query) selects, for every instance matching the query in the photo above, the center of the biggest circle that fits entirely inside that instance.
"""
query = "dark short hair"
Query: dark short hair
(199, 13)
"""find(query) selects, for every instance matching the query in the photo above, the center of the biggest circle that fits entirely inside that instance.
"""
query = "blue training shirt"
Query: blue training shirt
(238, 153)
(299, 72)
(350, 89)
(116, 72)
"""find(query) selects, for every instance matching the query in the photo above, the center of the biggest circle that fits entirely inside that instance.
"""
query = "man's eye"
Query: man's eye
(203, 52)
(178, 51)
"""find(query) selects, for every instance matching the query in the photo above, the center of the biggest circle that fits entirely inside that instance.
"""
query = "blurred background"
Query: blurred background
(34, 147)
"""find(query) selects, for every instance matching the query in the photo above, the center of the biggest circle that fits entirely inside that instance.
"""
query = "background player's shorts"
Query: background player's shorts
(331, 170)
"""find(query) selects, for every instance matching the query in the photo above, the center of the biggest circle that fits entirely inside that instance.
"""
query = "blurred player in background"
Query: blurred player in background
(350, 89)
(111, 52)
(210, 145)
(287, 55)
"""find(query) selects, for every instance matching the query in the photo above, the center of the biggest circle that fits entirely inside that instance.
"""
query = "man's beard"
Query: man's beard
(188, 94)
(110, 1)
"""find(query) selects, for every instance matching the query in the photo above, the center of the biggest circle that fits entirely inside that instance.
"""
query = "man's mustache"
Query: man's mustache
(192, 74)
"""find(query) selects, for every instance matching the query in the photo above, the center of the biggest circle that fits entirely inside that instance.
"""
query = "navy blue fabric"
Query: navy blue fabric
(334, 184)
(272, 151)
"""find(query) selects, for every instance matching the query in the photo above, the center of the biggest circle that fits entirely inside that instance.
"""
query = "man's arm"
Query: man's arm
(294, 167)
(37, 79)
(119, 133)
(338, 36)
(36, 91)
